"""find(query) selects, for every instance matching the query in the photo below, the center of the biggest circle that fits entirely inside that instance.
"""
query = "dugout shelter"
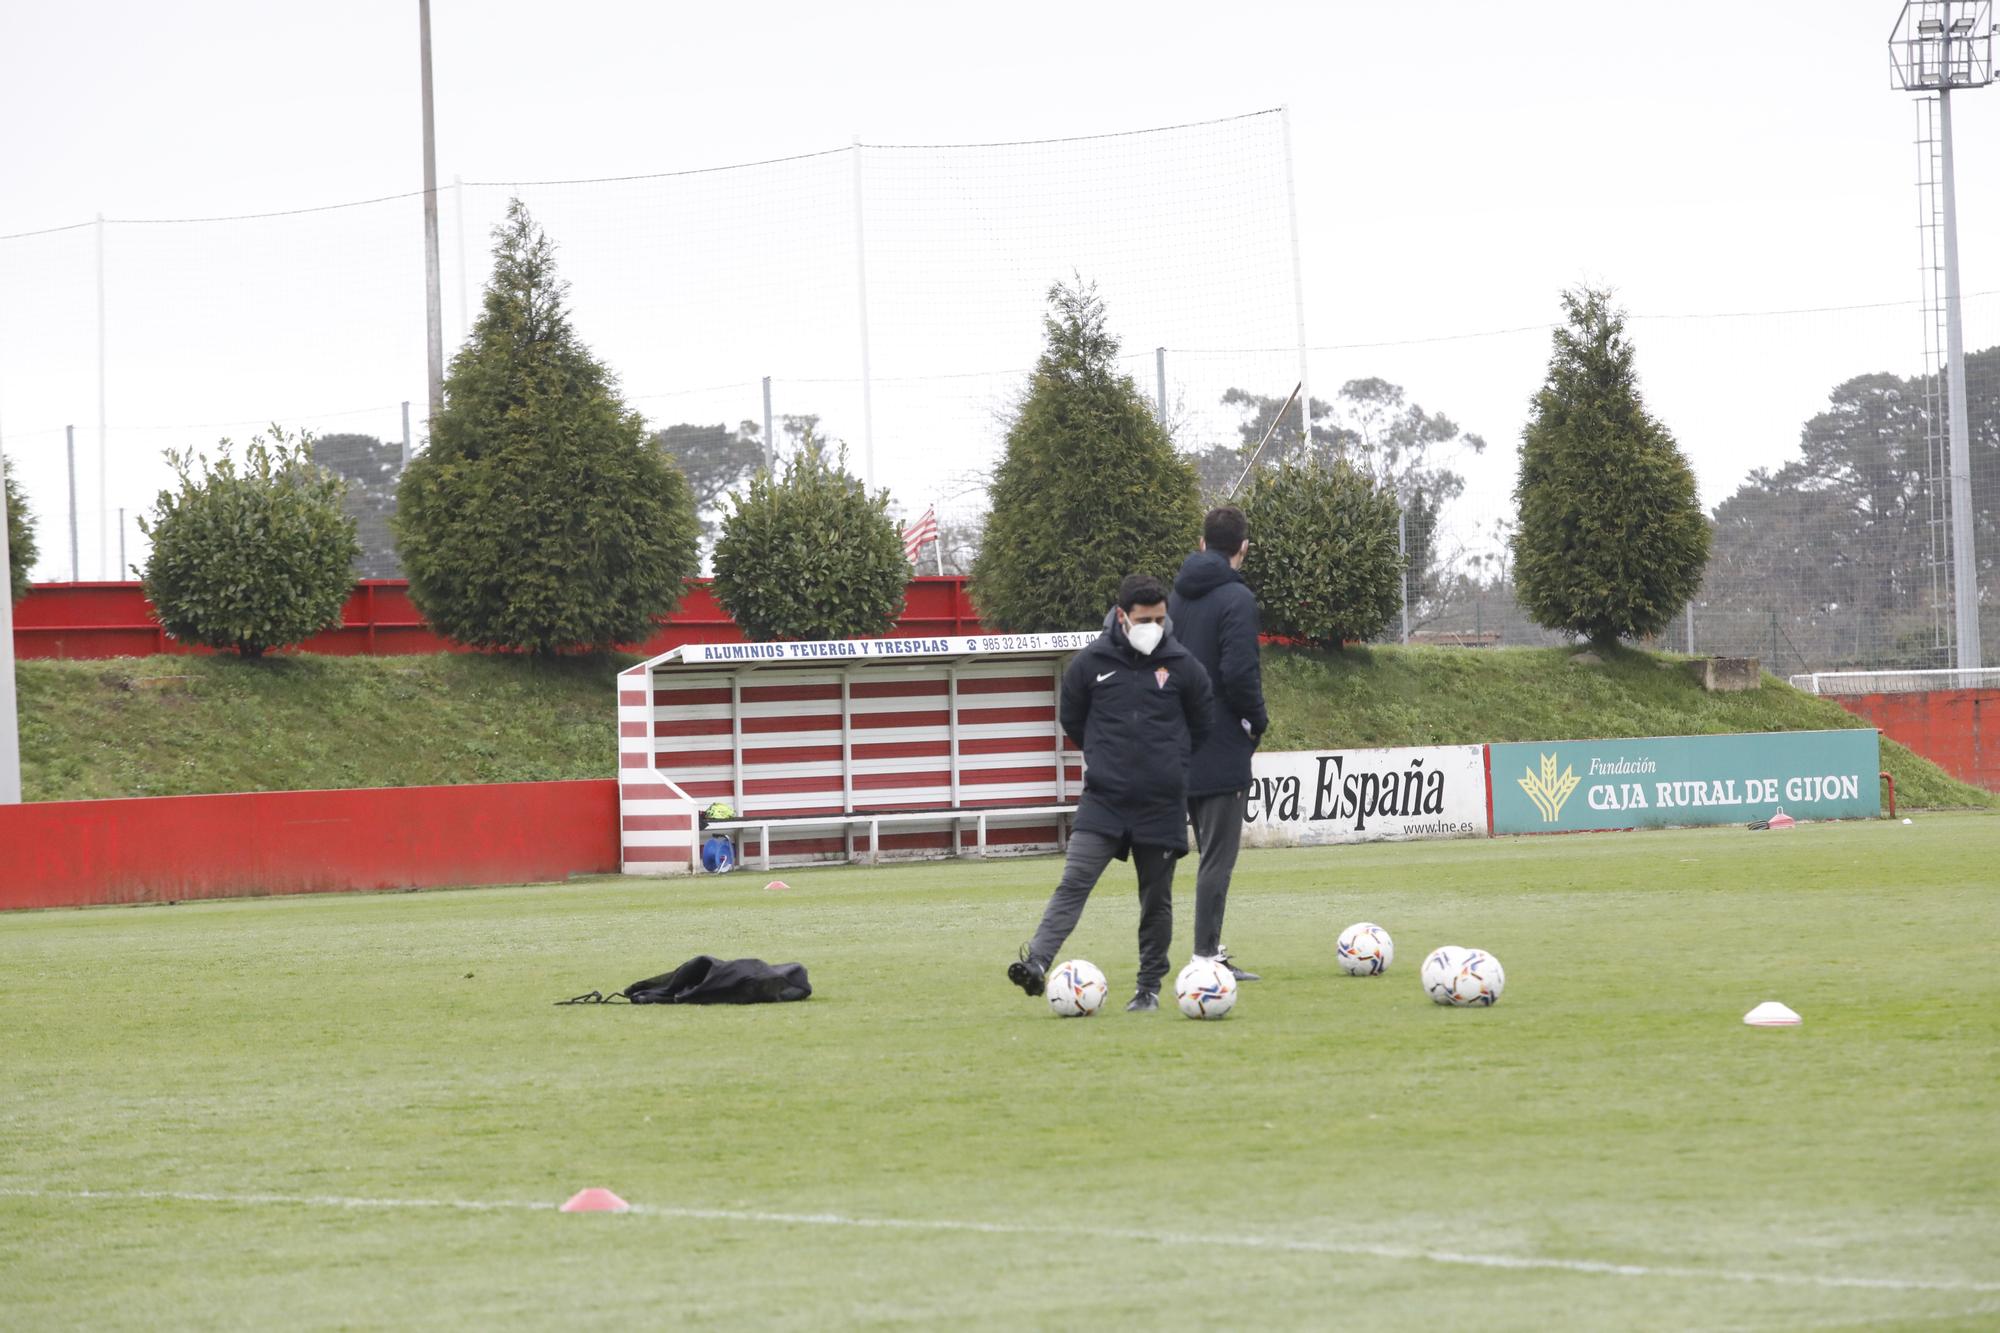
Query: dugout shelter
(847, 749)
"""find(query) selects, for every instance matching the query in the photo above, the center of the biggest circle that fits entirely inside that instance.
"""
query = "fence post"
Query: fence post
(10, 725)
(70, 434)
(1403, 549)
(406, 437)
(103, 456)
(1690, 620)
(770, 443)
(861, 308)
(1160, 370)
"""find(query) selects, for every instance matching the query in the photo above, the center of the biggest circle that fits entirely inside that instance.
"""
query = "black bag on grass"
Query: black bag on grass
(706, 980)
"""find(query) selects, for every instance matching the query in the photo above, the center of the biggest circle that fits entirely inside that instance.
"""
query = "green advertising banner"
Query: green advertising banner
(1573, 786)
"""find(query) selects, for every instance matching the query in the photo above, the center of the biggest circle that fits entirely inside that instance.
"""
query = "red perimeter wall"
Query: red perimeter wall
(1947, 727)
(158, 849)
(116, 620)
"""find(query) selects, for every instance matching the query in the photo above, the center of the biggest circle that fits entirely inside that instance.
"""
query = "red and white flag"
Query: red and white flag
(920, 534)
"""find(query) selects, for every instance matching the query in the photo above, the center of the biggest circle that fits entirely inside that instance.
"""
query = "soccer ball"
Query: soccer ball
(1440, 969)
(1076, 989)
(1364, 950)
(1479, 981)
(1205, 989)
(1463, 977)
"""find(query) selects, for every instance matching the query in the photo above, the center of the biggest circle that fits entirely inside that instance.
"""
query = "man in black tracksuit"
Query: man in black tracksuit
(1138, 704)
(1215, 617)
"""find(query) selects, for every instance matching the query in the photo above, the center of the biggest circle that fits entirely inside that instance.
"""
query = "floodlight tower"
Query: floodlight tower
(1936, 46)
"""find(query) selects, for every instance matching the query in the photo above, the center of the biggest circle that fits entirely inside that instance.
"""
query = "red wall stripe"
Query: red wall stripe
(690, 697)
(975, 717)
(153, 849)
(693, 726)
(115, 620)
(766, 726)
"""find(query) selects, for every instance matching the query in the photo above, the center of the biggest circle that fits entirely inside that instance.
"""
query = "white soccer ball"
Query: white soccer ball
(1205, 989)
(1479, 980)
(1076, 989)
(1468, 978)
(1364, 950)
(1440, 970)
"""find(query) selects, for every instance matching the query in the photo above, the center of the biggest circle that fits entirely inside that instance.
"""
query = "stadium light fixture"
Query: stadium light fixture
(1933, 49)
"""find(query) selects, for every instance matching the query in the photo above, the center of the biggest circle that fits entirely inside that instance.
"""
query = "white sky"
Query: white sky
(1457, 165)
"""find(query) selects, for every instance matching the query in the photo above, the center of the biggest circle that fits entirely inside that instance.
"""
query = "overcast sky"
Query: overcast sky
(1457, 165)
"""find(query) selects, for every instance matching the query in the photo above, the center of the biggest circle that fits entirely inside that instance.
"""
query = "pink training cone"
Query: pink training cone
(1781, 819)
(777, 884)
(595, 1201)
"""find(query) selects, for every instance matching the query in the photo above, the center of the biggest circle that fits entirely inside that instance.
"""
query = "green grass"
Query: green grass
(171, 725)
(165, 726)
(1611, 1109)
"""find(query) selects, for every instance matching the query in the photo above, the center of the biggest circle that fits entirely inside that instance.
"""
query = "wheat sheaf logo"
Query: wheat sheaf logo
(1546, 790)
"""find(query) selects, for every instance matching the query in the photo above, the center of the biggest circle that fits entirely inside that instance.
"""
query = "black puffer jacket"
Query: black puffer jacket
(1137, 719)
(1215, 618)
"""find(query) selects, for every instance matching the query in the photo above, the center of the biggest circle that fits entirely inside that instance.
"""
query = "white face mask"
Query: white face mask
(1145, 636)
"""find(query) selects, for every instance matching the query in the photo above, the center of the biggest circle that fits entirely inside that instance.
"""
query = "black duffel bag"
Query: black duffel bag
(706, 980)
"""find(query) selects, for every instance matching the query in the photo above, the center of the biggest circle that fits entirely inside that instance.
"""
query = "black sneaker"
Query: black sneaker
(1235, 971)
(1028, 974)
(1143, 1002)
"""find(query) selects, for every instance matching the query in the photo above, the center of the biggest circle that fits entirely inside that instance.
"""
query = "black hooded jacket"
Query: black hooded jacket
(1215, 618)
(1137, 719)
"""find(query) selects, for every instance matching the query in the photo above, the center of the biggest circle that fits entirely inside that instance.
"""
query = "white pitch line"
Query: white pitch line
(1279, 1244)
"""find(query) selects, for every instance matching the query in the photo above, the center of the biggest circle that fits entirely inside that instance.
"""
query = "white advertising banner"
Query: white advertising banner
(1303, 798)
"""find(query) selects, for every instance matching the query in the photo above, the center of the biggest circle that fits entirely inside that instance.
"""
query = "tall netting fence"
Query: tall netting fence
(889, 299)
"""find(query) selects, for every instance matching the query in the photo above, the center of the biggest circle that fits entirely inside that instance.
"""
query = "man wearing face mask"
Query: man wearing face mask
(1139, 706)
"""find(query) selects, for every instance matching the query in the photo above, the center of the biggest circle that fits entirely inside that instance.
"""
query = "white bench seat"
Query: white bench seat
(873, 822)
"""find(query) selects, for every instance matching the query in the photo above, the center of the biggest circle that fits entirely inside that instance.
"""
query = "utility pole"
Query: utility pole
(10, 724)
(770, 442)
(75, 572)
(433, 297)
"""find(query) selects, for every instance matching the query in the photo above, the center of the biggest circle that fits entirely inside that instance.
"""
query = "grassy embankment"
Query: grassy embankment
(171, 725)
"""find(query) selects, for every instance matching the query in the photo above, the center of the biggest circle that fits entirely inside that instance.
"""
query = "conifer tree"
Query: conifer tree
(1612, 540)
(540, 517)
(20, 535)
(1090, 488)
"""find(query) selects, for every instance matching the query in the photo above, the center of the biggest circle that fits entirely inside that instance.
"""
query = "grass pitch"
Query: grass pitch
(361, 1111)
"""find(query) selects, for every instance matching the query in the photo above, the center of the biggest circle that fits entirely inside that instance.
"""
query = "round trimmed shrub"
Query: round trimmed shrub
(254, 557)
(1323, 555)
(810, 554)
